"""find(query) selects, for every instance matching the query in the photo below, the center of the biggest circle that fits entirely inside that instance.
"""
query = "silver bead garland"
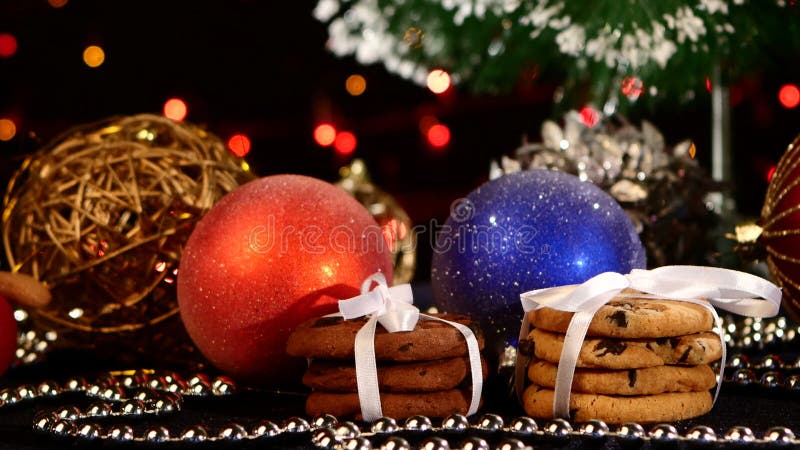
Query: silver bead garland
(142, 393)
(325, 431)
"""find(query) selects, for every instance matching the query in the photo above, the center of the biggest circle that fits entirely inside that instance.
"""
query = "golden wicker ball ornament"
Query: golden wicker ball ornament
(101, 214)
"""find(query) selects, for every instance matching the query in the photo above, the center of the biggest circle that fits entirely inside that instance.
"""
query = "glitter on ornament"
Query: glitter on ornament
(525, 231)
(276, 252)
(662, 188)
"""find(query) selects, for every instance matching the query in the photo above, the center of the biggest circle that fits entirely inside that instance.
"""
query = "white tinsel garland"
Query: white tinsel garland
(648, 38)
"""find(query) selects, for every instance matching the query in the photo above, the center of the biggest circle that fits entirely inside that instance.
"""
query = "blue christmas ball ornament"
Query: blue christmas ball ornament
(523, 231)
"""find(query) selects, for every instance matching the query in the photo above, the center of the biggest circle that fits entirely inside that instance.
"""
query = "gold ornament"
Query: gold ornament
(393, 219)
(101, 215)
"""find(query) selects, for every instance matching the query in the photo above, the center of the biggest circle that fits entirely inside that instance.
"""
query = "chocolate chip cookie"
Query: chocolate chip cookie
(333, 338)
(608, 353)
(631, 317)
(647, 381)
(669, 407)
(423, 376)
(398, 406)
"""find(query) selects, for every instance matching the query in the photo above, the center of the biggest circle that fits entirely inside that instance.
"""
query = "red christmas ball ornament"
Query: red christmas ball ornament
(8, 335)
(275, 252)
(780, 223)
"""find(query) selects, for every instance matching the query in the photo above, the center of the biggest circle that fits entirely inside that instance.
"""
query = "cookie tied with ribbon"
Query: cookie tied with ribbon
(379, 356)
(635, 347)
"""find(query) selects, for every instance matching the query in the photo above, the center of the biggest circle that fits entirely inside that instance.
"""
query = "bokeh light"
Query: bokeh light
(789, 95)
(7, 129)
(94, 56)
(632, 87)
(589, 116)
(771, 173)
(355, 85)
(175, 109)
(57, 3)
(438, 136)
(8, 45)
(426, 122)
(414, 37)
(324, 134)
(438, 81)
(239, 144)
(345, 143)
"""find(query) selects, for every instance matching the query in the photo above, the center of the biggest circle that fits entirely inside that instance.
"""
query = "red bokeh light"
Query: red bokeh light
(239, 145)
(708, 84)
(8, 45)
(771, 173)
(789, 95)
(345, 143)
(175, 109)
(589, 116)
(324, 134)
(632, 87)
(438, 136)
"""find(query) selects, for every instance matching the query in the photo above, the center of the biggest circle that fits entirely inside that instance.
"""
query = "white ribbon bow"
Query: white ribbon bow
(706, 286)
(393, 308)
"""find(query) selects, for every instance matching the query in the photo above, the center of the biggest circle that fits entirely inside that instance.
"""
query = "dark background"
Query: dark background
(261, 68)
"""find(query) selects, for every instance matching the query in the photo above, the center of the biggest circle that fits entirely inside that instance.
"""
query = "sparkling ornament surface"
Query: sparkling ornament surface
(780, 223)
(524, 231)
(8, 335)
(274, 253)
(663, 189)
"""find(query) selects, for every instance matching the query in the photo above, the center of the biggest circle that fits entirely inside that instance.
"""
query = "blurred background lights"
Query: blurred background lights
(632, 87)
(355, 85)
(239, 145)
(426, 122)
(771, 173)
(175, 109)
(589, 116)
(345, 143)
(789, 95)
(324, 134)
(438, 136)
(8, 45)
(57, 3)
(7, 129)
(438, 81)
(94, 56)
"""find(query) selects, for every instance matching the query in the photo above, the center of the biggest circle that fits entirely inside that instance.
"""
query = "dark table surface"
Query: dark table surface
(754, 406)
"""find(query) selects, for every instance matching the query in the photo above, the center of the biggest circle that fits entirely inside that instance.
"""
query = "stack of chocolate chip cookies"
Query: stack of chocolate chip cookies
(643, 360)
(425, 371)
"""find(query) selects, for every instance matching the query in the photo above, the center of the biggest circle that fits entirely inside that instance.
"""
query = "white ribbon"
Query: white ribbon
(706, 286)
(393, 308)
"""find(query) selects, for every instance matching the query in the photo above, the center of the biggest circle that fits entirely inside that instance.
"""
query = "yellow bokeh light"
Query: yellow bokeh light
(438, 81)
(94, 56)
(355, 84)
(7, 129)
